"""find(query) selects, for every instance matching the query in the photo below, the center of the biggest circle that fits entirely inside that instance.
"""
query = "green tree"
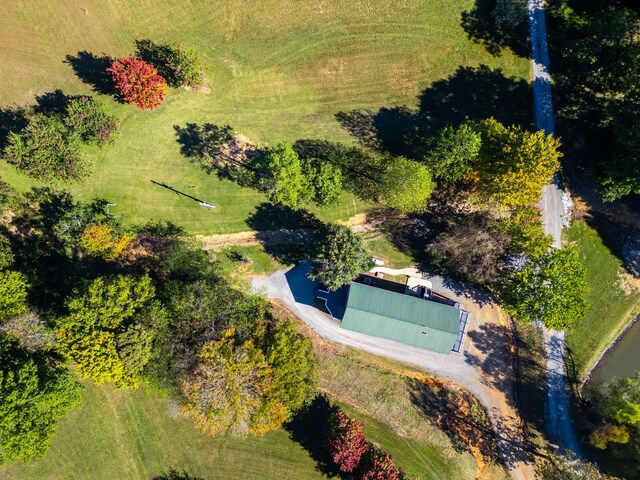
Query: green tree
(13, 294)
(88, 118)
(525, 231)
(97, 333)
(325, 181)
(6, 254)
(340, 257)
(552, 289)
(226, 391)
(34, 395)
(406, 185)
(179, 66)
(622, 403)
(47, 150)
(621, 174)
(452, 154)
(513, 164)
(199, 311)
(281, 176)
(291, 356)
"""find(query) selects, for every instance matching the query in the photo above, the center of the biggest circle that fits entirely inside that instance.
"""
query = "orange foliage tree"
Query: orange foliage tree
(138, 82)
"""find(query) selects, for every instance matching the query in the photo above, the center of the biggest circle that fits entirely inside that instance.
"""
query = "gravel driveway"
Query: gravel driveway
(484, 369)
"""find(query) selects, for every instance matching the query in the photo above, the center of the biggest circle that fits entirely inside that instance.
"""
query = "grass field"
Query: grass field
(610, 307)
(277, 70)
(136, 435)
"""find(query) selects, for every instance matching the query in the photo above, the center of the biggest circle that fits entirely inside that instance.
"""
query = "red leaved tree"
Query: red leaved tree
(377, 465)
(345, 440)
(138, 82)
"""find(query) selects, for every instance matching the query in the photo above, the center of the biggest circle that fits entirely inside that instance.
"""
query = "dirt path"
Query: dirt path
(357, 223)
(484, 368)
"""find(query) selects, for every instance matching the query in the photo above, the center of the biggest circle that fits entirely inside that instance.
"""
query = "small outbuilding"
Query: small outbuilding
(404, 318)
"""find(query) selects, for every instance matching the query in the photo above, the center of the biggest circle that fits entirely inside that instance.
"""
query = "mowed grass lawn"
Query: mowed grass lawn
(610, 307)
(135, 435)
(278, 70)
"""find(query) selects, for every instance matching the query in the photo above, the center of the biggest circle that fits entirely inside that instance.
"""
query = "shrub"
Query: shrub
(13, 294)
(138, 82)
(87, 117)
(345, 440)
(377, 465)
(101, 240)
(179, 66)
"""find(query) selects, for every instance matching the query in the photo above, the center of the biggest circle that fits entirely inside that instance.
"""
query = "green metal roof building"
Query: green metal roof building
(402, 318)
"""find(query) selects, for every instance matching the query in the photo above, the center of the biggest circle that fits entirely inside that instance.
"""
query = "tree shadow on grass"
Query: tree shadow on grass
(12, 120)
(467, 424)
(287, 234)
(215, 148)
(307, 429)
(92, 70)
(53, 103)
(481, 28)
(493, 358)
(470, 94)
(174, 474)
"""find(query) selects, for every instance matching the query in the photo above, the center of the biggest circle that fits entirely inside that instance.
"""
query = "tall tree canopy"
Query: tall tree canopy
(13, 294)
(100, 334)
(34, 395)
(405, 185)
(179, 66)
(552, 289)
(226, 392)
(291, 356)
(453, 153)
(340, 257)
(88, 118)
(513, 164)
(281, 176)
(47, 150)
(138, 82)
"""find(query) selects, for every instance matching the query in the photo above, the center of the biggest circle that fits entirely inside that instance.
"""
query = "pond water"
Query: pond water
(622, 360)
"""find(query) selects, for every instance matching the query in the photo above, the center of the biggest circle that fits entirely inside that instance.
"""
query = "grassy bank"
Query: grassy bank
(610, 306)
(277, 70)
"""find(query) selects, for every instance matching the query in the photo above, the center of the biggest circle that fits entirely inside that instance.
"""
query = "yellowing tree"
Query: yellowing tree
(101, 240)
(226, 392)
(513, 164)
(100, 334)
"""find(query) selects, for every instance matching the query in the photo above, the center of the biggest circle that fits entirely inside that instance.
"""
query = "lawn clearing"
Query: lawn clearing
(277, 70)
(610, 308)
(382, 248)
(139, 435)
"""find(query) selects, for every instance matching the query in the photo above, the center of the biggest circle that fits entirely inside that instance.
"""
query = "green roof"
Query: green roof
(402, 318)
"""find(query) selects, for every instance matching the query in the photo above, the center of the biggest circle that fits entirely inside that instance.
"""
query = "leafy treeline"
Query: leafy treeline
(595, 62)
(152, 308)
(49, 147)
(615, 409)
(507, 165)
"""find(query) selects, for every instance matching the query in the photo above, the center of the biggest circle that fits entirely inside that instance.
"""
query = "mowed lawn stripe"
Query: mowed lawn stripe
(277, 70)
